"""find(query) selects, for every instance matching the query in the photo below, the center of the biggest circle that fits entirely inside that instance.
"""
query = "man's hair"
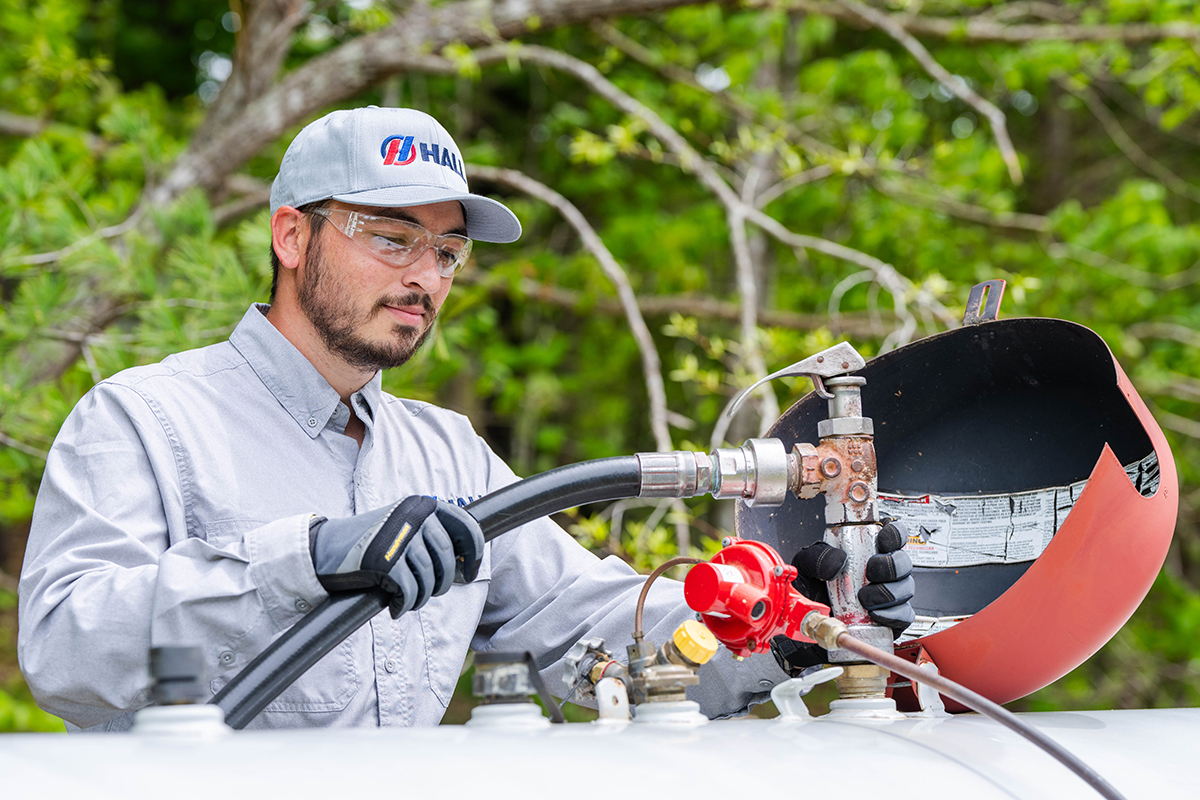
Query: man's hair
(315, 223)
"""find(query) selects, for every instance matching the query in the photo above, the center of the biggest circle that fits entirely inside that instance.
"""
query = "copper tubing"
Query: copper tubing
(978, 702)
(663, 567)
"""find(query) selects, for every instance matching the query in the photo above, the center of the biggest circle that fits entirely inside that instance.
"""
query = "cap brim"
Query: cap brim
(487, 219)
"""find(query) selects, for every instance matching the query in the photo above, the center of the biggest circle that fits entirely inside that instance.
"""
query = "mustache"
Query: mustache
(410, 299)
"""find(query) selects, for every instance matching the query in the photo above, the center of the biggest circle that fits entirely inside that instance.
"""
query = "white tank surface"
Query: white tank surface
(1144, 754)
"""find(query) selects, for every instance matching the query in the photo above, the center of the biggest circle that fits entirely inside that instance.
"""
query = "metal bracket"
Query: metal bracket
(837, 360)
(983, 304)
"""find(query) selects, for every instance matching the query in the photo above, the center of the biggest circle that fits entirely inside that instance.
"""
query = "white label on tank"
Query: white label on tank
(962, 531)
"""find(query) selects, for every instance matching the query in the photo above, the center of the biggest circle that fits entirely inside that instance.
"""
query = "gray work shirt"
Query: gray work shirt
(175, 508)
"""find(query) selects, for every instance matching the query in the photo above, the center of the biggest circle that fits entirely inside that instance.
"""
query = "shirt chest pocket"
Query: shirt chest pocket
(329, 685)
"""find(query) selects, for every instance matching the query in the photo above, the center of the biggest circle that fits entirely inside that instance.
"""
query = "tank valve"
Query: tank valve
(662, 675)
(504, 684)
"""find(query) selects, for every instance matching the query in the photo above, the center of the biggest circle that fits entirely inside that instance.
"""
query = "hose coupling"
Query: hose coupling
(823, 630)
(681, 473)
(760, 472)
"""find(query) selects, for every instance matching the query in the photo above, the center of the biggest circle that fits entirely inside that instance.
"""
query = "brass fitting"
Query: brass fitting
(822, 629)
(862, 680)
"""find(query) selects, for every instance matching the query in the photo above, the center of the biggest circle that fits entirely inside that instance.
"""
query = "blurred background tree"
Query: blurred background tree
(709, 191)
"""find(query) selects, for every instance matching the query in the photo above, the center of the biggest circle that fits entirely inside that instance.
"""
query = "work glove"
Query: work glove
(413, 549)
(886, 595)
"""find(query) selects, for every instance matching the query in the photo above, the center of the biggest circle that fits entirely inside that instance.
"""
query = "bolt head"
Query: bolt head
(726, 542)
(778, 571)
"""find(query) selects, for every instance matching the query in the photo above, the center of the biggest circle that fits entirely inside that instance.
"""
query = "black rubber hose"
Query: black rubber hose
(328, 625)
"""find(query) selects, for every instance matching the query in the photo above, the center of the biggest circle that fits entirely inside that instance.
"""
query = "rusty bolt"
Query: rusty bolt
(831, 467)
(820, 359)
(859, 492)
(857, 465)
(845, 365)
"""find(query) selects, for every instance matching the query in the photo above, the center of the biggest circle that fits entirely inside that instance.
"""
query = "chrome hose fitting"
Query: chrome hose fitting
(760, 472)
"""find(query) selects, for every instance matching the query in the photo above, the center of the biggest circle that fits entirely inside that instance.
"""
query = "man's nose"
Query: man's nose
(423, 273)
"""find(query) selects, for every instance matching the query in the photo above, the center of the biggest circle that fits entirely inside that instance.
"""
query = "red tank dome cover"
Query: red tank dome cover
(1003, 407)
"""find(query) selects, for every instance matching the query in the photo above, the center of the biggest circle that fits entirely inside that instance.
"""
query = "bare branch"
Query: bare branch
(1166, 330)
(660, 306)
(1188, 427)
(651, 365)
(110, 232)
(351, 67)
(952, 207)
(953, 84)
(772, 193)
(8, 441)
(1125, 272)
(691, 161)
(984, 28)
(654, 61)
(16, 125)
(1125, 142)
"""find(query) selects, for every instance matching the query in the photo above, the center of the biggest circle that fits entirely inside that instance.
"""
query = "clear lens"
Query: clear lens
(400, 242)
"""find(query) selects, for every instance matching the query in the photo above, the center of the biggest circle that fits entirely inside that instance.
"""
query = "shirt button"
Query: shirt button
(312, 422)
(390, 665)
(227, 658)
(303, 606)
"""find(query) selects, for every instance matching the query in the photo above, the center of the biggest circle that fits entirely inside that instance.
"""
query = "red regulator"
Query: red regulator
(745, 597)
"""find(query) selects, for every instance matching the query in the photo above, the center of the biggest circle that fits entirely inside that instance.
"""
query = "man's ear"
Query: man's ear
(289, 235)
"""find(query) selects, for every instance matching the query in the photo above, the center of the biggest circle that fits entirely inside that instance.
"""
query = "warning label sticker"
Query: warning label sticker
(962, 531)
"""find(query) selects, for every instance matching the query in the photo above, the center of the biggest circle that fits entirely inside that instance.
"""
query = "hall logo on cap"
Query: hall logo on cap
(397, 151)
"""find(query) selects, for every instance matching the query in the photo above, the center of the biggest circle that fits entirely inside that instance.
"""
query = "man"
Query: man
(214, 498)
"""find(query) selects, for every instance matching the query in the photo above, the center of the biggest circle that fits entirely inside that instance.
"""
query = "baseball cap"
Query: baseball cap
(385, 157)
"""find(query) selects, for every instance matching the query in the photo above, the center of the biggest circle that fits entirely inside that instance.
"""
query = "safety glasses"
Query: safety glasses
(400, 242)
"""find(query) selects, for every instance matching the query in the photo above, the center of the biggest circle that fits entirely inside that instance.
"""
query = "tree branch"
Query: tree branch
(952, 207)
(1125, 272)
(651, 365)
(110, 232)
(1166, 330)
(984, 28)
(8, 441)
(953, 84)
(856, 325)
(358, 64)
(1125, 142)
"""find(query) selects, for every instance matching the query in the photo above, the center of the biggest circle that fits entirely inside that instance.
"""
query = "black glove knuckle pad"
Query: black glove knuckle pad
(466, 537)
(891, 537)
(819, 560)
(884, 595)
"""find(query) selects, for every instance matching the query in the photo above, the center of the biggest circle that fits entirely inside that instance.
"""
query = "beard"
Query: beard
(331, 310)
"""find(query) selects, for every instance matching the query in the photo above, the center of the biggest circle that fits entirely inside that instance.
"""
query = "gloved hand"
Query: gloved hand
(885, 597)
(414, 548)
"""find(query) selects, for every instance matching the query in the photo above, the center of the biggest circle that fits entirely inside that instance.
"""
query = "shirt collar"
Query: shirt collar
(291, 378)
